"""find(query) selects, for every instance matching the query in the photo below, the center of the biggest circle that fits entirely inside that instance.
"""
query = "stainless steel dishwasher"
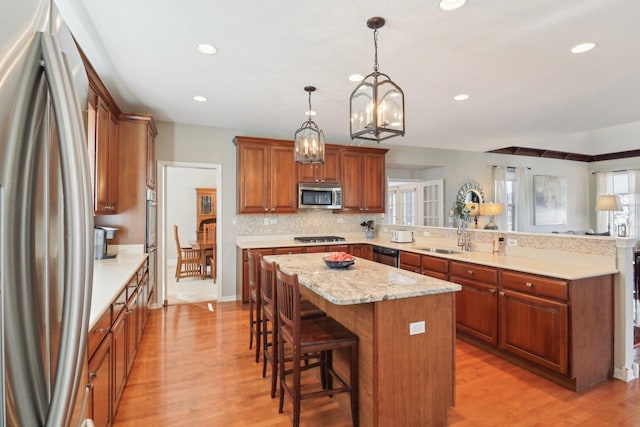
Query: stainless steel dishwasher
(387, 256)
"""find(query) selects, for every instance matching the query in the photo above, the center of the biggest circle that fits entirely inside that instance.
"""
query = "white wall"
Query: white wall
(201, 144)
(181, 202)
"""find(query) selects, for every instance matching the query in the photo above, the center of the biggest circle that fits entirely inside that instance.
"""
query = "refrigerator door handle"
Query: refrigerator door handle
(79, 238)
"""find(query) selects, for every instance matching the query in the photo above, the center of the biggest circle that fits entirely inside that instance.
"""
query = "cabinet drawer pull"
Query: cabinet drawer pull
(529, 285)
(93, 375)
(470, 272)
(119, 303)
(103, 330)
(492, 291)
(501, 293)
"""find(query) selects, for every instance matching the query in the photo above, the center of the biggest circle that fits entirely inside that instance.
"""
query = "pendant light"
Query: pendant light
(377, 103)
(309, 139)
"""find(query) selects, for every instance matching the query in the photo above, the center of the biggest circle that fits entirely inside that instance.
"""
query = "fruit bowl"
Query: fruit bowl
(338, 263)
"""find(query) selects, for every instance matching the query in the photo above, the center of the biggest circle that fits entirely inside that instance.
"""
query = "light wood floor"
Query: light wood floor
(194, 368)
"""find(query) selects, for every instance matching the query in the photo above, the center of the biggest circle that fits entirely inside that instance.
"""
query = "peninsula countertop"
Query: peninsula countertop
(365, 281)
(556, 264)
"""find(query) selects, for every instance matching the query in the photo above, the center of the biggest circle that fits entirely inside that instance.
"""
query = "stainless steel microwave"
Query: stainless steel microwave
(319, 196)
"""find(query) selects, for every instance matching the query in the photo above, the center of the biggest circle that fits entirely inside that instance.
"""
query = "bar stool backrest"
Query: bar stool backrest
(288, 296)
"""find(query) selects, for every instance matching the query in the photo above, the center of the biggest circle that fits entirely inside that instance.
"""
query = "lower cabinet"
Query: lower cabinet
(477, 302)
(112, 348)
(100, 366)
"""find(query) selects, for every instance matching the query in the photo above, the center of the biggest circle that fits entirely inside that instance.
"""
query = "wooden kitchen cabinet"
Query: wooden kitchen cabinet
(409, 261)
(205, 208)
(100, 365)
(363, 180)
(477, 302)
(150, 145)
(135, 131)
(103, 139)
(329, 172)
(361, 251)
(118, 331)
(434, 267)
(266, 176)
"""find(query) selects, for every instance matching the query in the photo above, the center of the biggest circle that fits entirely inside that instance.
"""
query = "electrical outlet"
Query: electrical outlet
(273, 220)
(416, 328)
(426, 234)
(340, 220)
(266, 221)
(512, 242)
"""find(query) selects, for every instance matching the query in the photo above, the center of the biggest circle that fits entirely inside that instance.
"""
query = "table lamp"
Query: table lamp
(491, 209)
(608, 203)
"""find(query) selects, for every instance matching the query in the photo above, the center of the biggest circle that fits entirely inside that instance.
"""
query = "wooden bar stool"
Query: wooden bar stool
(270, 319)
(306, 336)
(255, 306)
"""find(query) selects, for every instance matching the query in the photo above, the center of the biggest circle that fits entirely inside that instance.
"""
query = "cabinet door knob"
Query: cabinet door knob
(470, 272)
(501, 293)
(266, 209)
(492, 291)
(529, 285)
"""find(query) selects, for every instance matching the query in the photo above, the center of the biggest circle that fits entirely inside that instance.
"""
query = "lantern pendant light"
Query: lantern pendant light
(309, 139)
(377, 103)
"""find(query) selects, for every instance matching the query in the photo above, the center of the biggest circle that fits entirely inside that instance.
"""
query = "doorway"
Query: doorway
(177, 183)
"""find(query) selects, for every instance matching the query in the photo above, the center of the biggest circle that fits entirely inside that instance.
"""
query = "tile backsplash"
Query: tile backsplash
(305, 222)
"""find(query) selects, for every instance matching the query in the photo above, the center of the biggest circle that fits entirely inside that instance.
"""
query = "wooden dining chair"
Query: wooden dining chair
(209, 235)
(188, 259)
(306, 336)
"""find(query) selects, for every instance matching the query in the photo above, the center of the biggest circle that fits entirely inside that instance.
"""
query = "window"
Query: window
(416, 203)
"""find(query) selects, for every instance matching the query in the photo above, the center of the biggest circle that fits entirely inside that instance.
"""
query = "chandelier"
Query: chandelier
(377, 103)
(309, 139)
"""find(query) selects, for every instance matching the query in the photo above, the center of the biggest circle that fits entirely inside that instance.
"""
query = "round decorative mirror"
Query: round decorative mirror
(468, 200)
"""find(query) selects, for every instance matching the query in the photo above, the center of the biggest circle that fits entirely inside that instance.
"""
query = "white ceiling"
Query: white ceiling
(511, 56)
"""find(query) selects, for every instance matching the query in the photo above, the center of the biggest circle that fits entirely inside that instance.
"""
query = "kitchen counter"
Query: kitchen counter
(557, 264)
(110, 276)
(365, 281)
(405, 325)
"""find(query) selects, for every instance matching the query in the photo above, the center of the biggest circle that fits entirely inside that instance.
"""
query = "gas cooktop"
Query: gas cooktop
(319, 239)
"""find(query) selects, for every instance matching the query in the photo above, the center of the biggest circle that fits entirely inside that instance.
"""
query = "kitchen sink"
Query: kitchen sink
(440, 251)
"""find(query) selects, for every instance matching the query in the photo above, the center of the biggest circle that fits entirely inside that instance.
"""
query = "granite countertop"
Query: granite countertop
(565, 266)
(365, 281)
(110, 276)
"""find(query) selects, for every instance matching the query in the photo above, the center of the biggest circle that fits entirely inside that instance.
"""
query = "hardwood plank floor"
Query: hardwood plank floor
(194, 368)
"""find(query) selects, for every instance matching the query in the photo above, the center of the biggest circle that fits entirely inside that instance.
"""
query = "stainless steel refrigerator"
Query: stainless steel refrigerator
(46, 219)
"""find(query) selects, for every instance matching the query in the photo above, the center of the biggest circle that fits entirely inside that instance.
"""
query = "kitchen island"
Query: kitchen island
(406, 326)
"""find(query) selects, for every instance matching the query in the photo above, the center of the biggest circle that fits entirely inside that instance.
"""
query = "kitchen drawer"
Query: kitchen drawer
(432, 263)
(118, 304)
(316, 249)
(409, 258)
(289, 251)
(475, 272)
(536, 285)
(98, 332)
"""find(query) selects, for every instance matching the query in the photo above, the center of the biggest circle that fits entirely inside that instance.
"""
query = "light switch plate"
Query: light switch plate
(416, 328)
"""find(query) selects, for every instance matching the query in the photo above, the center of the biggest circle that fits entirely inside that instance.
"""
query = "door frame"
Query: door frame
(162, 224)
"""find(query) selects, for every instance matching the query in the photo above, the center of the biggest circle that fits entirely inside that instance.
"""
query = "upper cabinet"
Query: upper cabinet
(103, 145)
(151, 155)
(329, 172)
(363, 180)
(266, 176)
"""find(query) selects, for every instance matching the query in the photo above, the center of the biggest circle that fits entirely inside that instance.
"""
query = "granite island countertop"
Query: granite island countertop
(364, 282)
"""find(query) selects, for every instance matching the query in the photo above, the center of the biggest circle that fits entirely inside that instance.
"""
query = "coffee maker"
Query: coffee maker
(102, 234)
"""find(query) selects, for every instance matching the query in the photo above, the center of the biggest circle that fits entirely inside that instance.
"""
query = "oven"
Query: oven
(386, 256)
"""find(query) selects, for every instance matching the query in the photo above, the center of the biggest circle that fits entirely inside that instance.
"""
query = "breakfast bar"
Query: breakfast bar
(406, 326)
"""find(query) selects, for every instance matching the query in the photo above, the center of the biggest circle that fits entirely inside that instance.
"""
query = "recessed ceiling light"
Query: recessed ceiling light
(200, 98)
(449, 5)
(583, 47)
(461, 97)
(356, 78)
(206, 49)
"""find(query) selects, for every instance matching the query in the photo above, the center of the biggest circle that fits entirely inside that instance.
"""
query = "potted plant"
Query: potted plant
(369, 232)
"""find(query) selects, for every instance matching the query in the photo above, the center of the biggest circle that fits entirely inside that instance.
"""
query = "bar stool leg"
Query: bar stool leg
(355, 416)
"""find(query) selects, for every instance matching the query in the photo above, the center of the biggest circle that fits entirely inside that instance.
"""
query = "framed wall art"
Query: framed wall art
(550, 200)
